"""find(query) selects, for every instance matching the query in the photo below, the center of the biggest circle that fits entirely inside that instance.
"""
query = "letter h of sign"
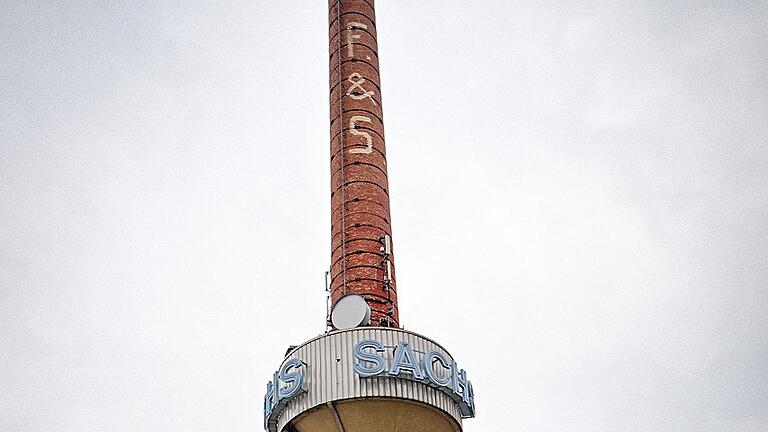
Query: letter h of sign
(461, 386)
(271, 398)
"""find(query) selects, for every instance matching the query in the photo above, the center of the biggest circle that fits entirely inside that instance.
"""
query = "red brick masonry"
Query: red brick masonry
(359, 186)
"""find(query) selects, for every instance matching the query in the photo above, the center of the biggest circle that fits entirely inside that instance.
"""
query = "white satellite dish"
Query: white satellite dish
(350, 312)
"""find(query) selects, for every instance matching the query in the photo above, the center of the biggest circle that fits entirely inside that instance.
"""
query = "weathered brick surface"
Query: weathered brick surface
(365, 7)
(360, 214)
(362, 67)
(365, 192)
(357, 174)
(359, 206)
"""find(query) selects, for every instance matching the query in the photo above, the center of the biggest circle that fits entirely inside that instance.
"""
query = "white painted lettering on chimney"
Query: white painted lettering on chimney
(351, 37)
(353, 130)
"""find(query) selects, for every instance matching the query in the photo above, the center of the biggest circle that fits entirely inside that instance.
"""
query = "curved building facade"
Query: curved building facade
(368, 377)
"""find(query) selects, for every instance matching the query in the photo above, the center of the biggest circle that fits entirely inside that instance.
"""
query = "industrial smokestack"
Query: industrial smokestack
(355, 378)
(362, 262)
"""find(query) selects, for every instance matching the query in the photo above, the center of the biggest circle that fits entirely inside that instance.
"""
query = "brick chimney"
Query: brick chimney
(362, 261)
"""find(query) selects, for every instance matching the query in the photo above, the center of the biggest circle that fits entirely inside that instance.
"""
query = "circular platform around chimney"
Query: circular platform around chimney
(368, 379)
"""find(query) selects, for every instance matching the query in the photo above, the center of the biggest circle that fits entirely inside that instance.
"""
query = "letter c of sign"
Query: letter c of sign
(429, 361)
(375, 361)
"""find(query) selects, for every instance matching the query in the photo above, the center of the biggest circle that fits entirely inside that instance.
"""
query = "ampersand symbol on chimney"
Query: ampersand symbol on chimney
(357, 84)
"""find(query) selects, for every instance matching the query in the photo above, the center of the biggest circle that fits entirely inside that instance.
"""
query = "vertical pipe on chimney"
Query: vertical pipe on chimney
(360, 219)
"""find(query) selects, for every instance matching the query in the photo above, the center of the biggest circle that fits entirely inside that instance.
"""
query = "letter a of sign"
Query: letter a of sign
(405, 361)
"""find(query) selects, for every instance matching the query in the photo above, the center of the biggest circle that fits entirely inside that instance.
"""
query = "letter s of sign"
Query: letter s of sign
(293, 377)
(376, 364)
(353, 130)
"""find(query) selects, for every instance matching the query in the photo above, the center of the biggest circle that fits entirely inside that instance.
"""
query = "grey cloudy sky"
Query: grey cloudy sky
(579, 196)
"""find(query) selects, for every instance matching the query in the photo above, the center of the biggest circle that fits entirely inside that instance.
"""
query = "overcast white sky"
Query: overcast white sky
(579, 199)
